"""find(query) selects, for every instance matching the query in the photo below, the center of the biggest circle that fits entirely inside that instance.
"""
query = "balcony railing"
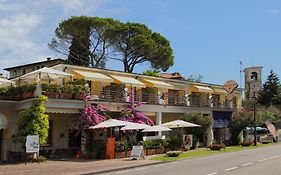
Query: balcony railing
(121, 97)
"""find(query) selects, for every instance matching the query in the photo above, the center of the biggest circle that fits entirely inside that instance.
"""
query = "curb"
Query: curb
(123, 168)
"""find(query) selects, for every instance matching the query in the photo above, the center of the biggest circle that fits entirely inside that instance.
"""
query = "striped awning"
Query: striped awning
(128, 80)
(159, 84)
(203, 88)
(222, 91)
(93, 76)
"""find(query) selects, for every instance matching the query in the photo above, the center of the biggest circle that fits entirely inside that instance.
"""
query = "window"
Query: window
(23, 71)
(42, 66)
(38, 67)
(254, 76)
(15, 73)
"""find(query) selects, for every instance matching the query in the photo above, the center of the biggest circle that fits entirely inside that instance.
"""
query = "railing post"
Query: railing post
(159, 96)
(211, 103)
(187, 100)
(126, 95)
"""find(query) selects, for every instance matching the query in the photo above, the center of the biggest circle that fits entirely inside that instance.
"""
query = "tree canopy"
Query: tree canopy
(92, 41)
(135, 43)
(84, 40)
(267, 95)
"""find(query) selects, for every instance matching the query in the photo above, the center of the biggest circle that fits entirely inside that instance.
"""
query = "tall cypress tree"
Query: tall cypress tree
(269, 90)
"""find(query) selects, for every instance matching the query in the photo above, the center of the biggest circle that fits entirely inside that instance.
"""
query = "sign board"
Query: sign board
(32, 144)
(137, 152)
(187, 140)
(230, 86)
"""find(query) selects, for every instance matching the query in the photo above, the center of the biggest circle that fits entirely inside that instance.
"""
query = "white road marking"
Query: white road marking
(122, 172)
(273, 157)
(246, 164)
(212, 174)
(230, 169)
(142, 168)
(262, 160)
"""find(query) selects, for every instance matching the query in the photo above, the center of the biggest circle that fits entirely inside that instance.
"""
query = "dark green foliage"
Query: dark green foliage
(239, 121)
(34, 121)
(154, 73)
(199, 119)
(267, 95)
(154, 144)
(137, 44)
(174, 143)
(121, 146)
(84, 39)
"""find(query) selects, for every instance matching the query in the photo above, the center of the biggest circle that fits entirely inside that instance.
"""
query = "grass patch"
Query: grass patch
(207, 152)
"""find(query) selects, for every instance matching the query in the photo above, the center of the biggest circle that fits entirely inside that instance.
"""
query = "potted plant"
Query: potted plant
(3, 93)
(28, 91)
(78, 91)
(66, 91)
(51, 90)
(121, 148)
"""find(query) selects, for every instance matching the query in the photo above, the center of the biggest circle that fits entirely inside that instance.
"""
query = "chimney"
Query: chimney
(49, 58)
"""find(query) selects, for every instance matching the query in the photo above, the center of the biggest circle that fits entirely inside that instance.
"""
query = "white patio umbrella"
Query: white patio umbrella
(5, 82)
(156, 128)
(45, 73)
(110, 123)
(134, 126)
(179, 124)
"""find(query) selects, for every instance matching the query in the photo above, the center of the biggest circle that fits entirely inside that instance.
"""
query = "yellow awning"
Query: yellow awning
(93, 76)
(203, 89)
(221, 91)
(159, 84)
(128, 80)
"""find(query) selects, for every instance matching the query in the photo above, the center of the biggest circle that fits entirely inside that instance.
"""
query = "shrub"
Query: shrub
(246, 143)
(174, 142)
(216, 146)
(173, 153)
(121, 146)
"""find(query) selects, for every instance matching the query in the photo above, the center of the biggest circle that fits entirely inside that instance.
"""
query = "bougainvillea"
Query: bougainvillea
(130, 114)
(92, 114)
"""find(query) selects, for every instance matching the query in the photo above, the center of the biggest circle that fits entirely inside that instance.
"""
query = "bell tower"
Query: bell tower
(253, 81)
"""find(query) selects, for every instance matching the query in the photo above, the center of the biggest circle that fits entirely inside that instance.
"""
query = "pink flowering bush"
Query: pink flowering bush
(92, 114)
(130, 114)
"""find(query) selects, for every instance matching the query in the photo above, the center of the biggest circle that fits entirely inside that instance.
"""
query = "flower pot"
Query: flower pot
(17, 97)
(78, 96)
(27, 95)
(129, 153)
(52, 94)
(119, 155)
(65, 95)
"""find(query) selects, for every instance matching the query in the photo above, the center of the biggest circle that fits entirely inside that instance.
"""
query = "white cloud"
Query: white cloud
(273, 11)
(26, 27)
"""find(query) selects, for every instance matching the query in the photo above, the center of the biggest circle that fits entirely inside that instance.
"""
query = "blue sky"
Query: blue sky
(208, 37)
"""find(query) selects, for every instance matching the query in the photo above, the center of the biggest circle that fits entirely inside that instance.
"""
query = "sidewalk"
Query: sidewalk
(72, 166)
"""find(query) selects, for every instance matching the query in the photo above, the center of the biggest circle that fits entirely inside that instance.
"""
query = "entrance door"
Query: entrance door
(1, 137)
(74, 139)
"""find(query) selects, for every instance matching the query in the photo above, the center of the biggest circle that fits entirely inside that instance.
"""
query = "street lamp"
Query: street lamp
(255, 127)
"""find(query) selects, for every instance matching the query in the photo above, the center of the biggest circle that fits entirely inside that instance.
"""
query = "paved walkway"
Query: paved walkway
(71, 167)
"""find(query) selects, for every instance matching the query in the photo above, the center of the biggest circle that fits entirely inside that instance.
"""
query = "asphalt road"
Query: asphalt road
(260, 161)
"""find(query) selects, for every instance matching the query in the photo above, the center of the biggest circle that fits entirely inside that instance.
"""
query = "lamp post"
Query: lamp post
(255, 127)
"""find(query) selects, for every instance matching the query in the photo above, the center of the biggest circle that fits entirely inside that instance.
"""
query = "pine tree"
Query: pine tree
(269, 90)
